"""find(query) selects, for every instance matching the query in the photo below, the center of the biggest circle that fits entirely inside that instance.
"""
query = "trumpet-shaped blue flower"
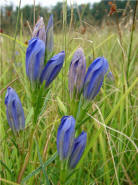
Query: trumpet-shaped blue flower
(39, 30)
(78, 149)
(94, 77)
(52, 68)
(65, 137)
(35, 59)
(49, 36)
(14, 110)
(77, 71)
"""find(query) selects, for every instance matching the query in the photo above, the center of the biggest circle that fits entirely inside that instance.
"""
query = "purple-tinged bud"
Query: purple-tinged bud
(94, 77)
(65, 137)
(35, 54)
(77, 71)
(39, 30)
(52, 68)
(14, 110)
(49, 36)
(110, 76)
(78, 149)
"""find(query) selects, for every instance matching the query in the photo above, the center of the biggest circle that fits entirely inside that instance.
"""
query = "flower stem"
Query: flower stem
(63, 172)
(26, 159)
(23, 168)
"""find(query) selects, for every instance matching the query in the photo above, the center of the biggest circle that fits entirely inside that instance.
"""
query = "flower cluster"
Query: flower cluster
(40, 46)
(90, 82)
(43, 67)
(68, 146)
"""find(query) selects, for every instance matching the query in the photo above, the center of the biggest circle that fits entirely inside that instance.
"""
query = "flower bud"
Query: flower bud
(49, 36)
(65, 137)
(94, 77)
(52, 68)
(110, 76)
(35, 59)
(77, 71)
(14, 110)
(39, 30)
(78, 149)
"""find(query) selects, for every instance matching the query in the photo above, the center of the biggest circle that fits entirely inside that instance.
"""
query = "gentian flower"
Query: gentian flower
(35, 59)
(39, 30)
(94, 77)
(78, 149)
(77, 71)
(49, 36)
(14, 110)
(52, 68)
(35, 54)
(65, 137)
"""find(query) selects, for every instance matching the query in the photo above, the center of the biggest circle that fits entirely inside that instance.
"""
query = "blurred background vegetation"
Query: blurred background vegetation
(97, 14)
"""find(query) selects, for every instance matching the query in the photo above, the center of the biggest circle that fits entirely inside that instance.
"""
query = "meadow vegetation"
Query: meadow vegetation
(110, 156)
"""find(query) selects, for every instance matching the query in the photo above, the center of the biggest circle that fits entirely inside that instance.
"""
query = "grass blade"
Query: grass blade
(42, 164)
(36, 171)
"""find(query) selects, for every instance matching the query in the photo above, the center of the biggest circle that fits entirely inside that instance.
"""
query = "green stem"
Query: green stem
(131, 38)
(63, 171)
(26, 158)
(16, 29)
(103, 149)
(28, 153)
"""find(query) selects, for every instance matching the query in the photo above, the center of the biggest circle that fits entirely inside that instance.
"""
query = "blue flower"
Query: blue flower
(52, 68)
(78, 149)
(94, 77)
(49, 36)
(65, 137)
(39, 30)
(77, 71)
(35, 59)
(14, 110)
(35, 55)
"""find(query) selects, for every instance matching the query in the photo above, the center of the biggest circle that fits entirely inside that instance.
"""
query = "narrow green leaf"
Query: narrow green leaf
(36, 171)
(73, 172)
(45, 102)
(5, 166)
(61, 106)
(42, 164)
(29, 116)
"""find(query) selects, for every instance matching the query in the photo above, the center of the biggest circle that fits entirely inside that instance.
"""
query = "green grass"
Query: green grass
(110, 154)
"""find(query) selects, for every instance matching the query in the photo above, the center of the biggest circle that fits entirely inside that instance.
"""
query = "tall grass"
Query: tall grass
(110, 154)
